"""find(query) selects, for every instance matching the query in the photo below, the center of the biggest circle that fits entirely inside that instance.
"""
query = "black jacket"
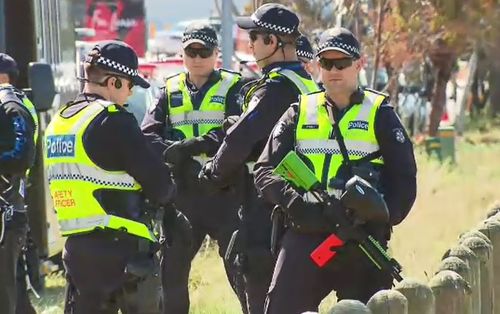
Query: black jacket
(398, 174)
(246, 138)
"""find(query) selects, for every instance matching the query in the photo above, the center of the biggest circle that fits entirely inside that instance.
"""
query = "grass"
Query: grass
(451, 199)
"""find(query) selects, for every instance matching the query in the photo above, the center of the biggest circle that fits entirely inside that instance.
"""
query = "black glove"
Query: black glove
(205, 179)
(176, 227)
(308, 217)
(179, 151)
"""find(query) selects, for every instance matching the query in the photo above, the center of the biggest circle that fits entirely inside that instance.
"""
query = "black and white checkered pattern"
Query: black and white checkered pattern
(339, 44)
(81, 177)
(305, 54)
(118, 67)
(202, 37)
(272, 27)
(198, 122)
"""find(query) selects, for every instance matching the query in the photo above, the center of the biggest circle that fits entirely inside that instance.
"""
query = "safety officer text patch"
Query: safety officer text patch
(358, 124)
(60, 146)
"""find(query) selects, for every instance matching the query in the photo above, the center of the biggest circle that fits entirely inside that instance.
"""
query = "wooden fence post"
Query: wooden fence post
(451, 292)
(468, 256)
(457, 265)
(388, 302)
(349, 307)
(420, 297)
(483, 250)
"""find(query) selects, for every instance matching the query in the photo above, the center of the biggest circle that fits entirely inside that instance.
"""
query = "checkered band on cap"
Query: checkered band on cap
(118, 66)
(305, 54)
(199, 36)
(339, 44)
(272, 27)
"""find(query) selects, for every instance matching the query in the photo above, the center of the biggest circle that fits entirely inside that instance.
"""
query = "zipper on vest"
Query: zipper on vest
(196, 130)
(326, 165)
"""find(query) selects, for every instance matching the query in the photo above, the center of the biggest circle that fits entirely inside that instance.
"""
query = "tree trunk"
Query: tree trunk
(377, 42)
(494, 96)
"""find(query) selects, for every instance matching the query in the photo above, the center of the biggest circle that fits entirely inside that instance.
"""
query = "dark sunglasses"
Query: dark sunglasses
(339, 64)
(254, 34)
(202, 52)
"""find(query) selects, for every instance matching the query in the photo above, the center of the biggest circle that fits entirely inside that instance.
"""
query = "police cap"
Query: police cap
(118, 57)
(273, 17)
(7, 64)
(339, 39)
(304, 48)
(201, 33)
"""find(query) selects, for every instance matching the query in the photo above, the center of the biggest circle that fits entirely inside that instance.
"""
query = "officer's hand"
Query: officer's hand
(174, 154)
(308, 217)
(177, 228)
(229, 122)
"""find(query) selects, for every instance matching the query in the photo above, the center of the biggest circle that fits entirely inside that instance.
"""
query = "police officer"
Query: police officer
(273, 31)
(374, 140)
(18, 134)
(185, 126)
(305, 53)
(99, 167)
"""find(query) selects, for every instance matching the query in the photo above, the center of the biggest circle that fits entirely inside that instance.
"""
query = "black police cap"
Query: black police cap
(339, 39)
(118, 57)
(7, 64)
(304, 48)
(275, 18)
(201, 33)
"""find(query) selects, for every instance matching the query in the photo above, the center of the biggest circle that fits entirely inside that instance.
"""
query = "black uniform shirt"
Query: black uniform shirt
(246, 138)
(157, 128)
(17, 147)
(115, 142)
(398, 175)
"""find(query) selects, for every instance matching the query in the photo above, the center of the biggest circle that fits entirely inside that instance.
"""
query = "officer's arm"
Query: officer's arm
(398, 178)
(133, 153)
(253, 127)
(17, 146)
(154, 124)
(281, 141)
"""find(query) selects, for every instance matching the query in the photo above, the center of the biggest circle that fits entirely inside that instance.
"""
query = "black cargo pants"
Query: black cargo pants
(97, 283)
(210, 213)
(299, 285)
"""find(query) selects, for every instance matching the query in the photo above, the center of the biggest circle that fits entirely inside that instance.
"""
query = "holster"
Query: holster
(144, 263)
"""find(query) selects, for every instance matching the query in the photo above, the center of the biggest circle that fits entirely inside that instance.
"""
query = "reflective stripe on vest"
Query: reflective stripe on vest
(304, 85)
(212, 110)
(314, 133)
(74, 177)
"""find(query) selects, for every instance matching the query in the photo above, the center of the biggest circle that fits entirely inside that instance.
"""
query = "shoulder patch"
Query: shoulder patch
(377, 92)
(230, 71)
(171, 76)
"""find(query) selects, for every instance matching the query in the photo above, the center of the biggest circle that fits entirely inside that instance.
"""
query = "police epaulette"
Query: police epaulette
(376, 92)
(171, 76)
(229, 71)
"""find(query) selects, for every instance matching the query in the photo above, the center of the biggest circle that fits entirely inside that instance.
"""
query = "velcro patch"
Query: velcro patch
(359, 125)
(61, 146)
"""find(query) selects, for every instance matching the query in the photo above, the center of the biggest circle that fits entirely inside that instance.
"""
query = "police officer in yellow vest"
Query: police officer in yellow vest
(186, 126)
(375, 142)
(273, 31)
(18, 136)
(100, 167)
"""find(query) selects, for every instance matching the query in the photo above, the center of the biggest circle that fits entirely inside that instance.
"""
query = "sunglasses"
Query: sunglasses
(339, 64)
(254, 34)
(202, 52)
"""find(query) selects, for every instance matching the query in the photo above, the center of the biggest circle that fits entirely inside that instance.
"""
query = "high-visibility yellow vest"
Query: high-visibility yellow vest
(74, 177)
(181, 114)
(304, 85)
(315, 139)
